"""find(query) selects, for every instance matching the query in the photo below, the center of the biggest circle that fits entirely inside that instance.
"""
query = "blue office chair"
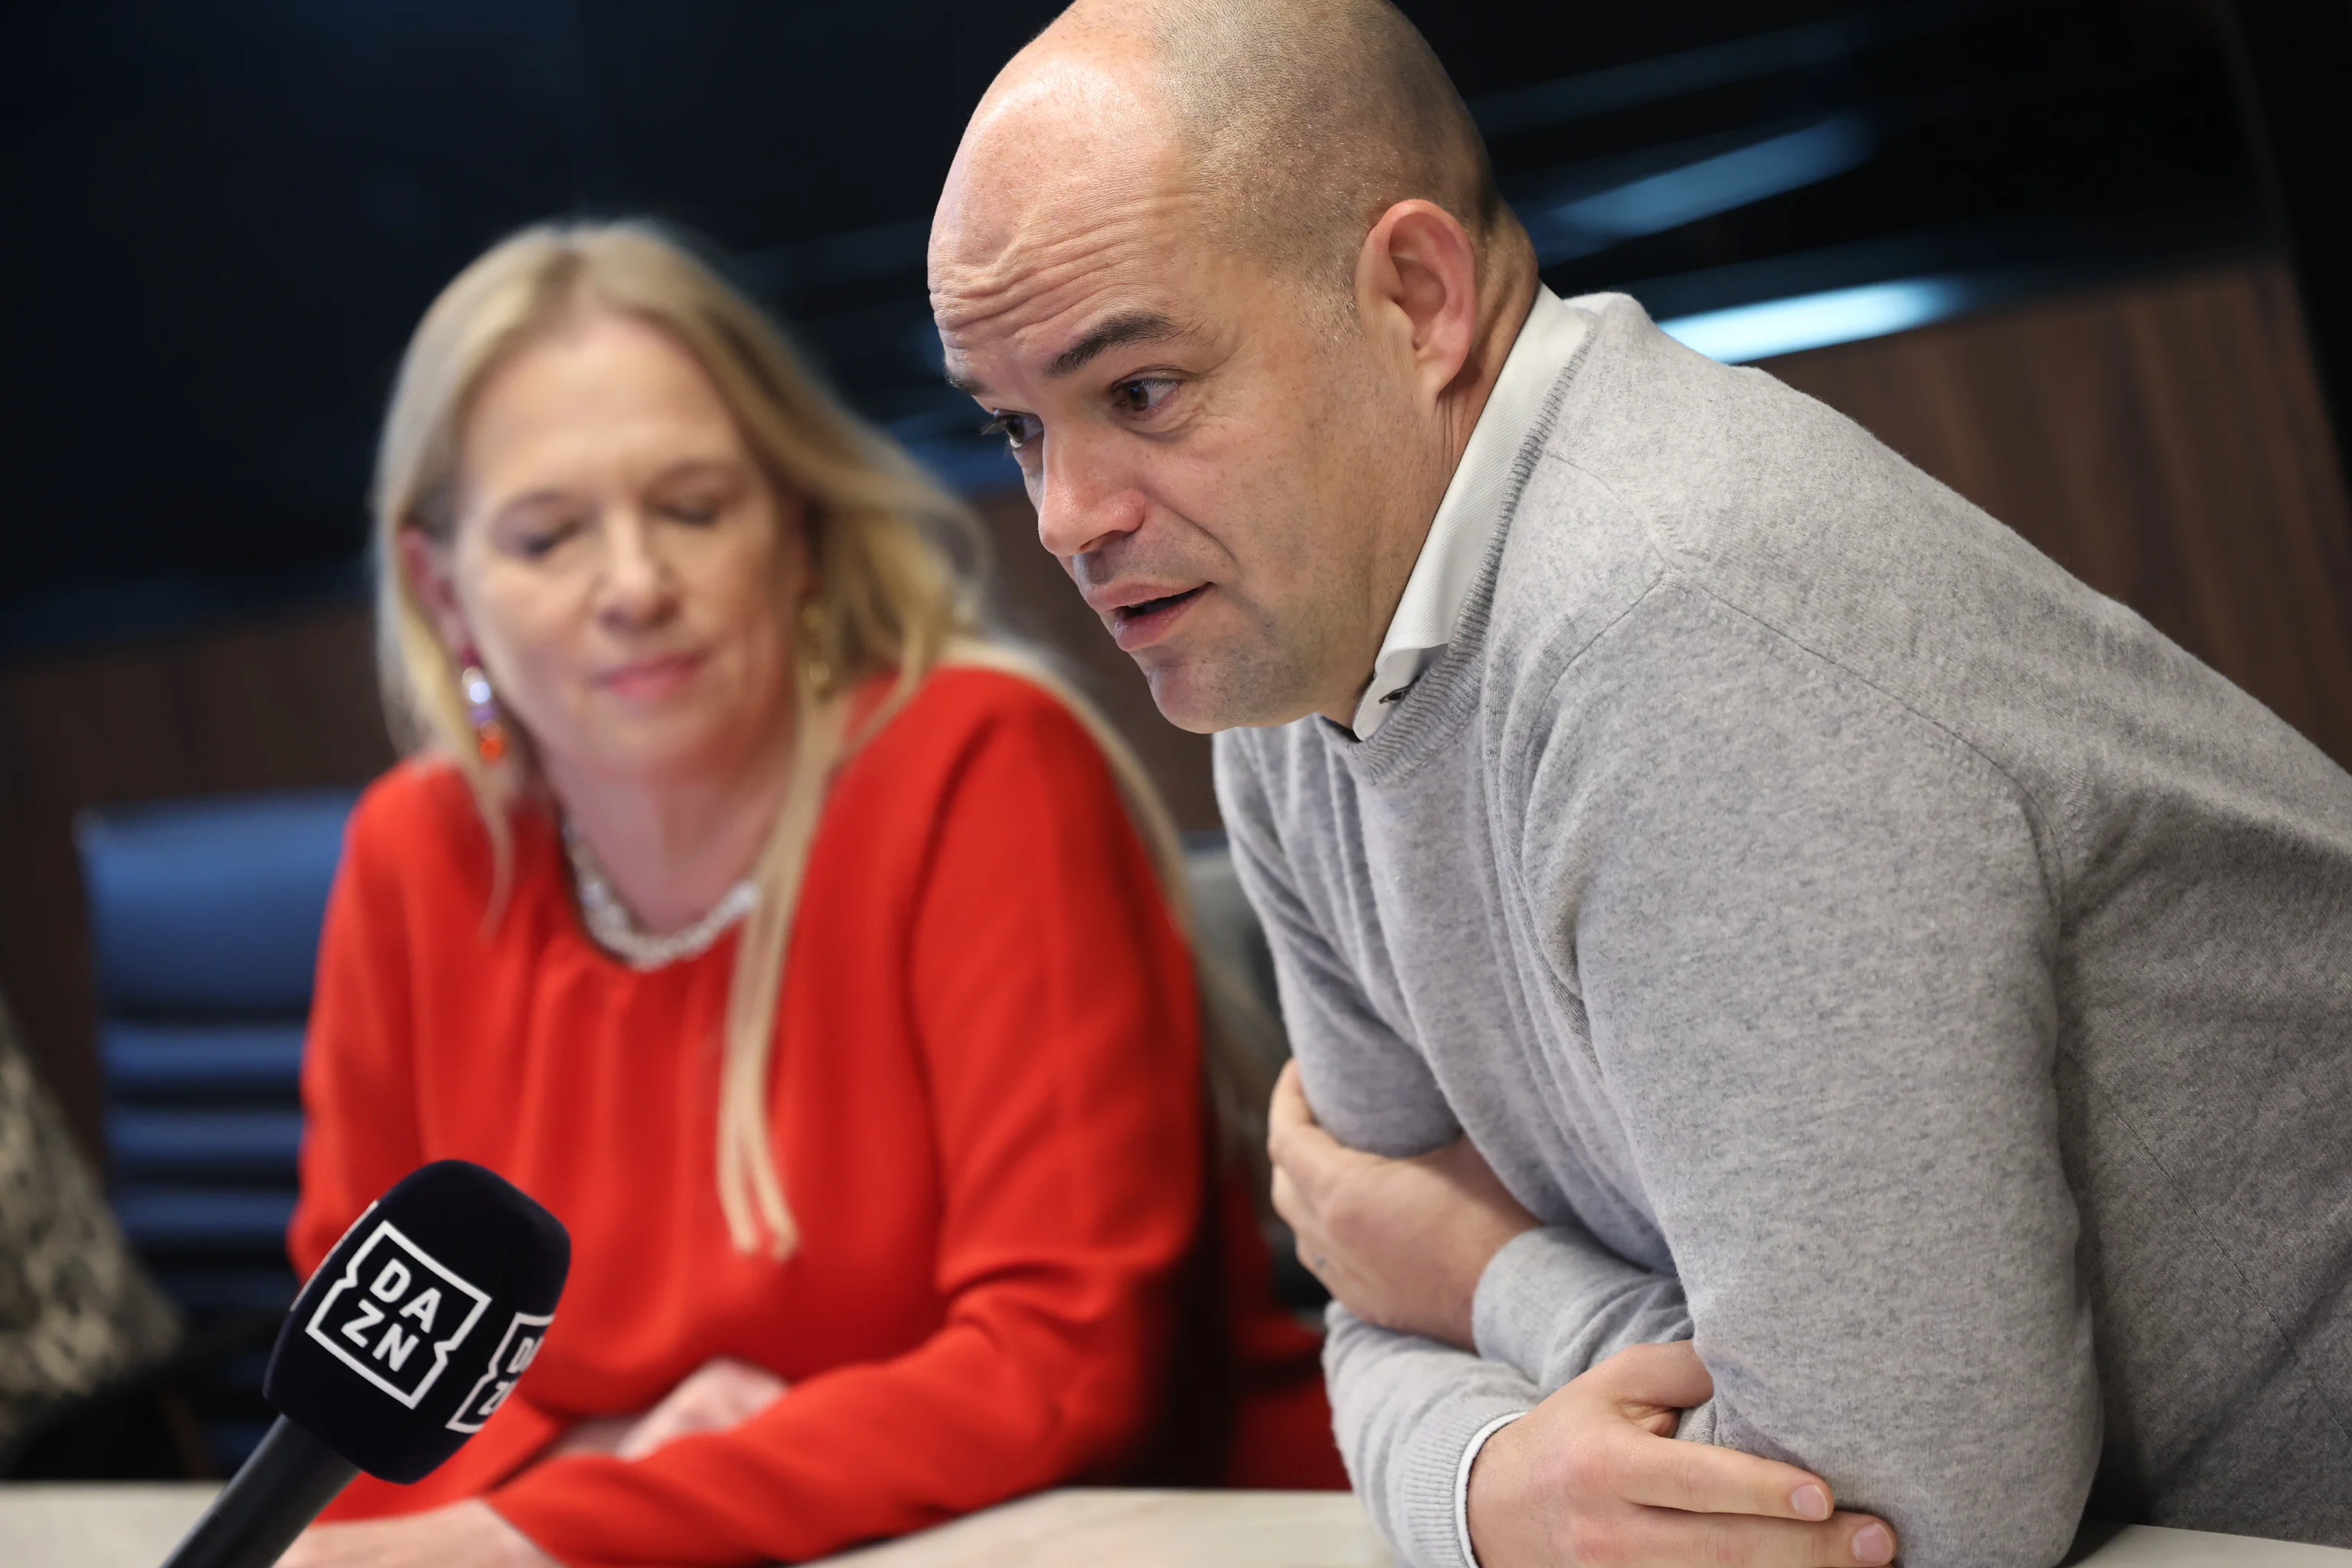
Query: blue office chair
(205, 919)
(1227, 934)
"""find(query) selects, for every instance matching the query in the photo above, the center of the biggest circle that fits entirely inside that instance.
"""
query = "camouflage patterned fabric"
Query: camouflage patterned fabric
(76, 1309)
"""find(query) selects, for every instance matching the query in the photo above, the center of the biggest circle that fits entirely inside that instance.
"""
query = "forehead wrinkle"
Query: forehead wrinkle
(1017, 307)
(1045, 251)
(1126, 328)
(1136, 323)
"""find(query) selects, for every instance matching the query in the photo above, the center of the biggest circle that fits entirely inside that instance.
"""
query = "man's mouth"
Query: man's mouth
(1152, 607)
(1137, 624)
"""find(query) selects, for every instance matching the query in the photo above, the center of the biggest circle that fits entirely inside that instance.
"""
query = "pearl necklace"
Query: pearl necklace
(616, 931)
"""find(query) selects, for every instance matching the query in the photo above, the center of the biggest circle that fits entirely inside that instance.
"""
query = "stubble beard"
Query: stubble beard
(1251, 682)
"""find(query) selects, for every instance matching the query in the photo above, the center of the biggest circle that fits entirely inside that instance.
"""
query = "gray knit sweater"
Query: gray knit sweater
(1873, 955)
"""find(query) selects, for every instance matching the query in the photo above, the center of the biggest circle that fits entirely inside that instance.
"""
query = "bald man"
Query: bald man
(1852, 948)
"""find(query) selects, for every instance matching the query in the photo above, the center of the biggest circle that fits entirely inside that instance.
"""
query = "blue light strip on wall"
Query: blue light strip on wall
(1746, 332)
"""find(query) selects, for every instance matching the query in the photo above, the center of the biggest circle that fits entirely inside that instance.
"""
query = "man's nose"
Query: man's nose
(1080, 504)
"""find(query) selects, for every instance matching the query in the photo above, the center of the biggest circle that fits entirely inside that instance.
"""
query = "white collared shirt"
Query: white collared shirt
(1466, 519)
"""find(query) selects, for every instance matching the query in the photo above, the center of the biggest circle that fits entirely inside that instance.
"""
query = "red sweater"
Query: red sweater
(986, 1108)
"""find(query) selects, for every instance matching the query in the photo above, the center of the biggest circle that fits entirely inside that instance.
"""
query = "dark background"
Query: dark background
(223, 221)
(225, 218)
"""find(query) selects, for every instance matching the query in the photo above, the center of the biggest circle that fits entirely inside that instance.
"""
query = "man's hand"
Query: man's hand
(462, 1535)
(1594, 1477)
(1401, 1242)
(719, 1393)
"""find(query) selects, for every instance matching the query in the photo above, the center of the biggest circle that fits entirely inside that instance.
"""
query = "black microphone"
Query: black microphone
(410, 1335)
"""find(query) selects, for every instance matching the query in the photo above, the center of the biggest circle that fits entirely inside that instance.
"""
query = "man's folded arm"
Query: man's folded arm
(1368, 1086)
(1554, 1302)
(1814, 936)
(1406, 1409)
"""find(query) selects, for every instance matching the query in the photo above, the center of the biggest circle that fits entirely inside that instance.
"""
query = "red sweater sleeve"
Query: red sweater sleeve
(360, 1132)
(1054, 1004)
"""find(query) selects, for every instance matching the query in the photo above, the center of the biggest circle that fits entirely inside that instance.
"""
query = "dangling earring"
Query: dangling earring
(482, 708)
(812, 642)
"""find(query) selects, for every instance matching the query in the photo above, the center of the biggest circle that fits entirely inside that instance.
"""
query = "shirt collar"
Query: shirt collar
(1472, 510)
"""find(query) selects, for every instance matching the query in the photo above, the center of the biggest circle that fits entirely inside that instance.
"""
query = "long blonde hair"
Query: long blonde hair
(895, 558)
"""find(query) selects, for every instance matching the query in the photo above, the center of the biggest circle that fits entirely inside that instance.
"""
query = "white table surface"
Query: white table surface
(111, 1526)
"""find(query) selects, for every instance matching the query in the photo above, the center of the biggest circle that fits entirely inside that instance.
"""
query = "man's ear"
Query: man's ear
(424, 562)
(1417, 285)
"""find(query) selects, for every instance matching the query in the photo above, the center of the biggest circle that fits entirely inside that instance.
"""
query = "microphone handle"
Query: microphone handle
(269, 1500)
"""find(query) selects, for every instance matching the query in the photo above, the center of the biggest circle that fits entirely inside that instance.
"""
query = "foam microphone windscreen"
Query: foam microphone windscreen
(419, 1322)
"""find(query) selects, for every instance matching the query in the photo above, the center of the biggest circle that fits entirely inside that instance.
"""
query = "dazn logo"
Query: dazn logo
(396, 1313)
(517, 1349)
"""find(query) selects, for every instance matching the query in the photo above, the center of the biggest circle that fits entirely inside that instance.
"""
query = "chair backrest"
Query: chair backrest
(205, 918)
(1226, 931)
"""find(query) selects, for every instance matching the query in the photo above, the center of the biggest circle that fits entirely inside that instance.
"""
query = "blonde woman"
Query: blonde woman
(819, 963)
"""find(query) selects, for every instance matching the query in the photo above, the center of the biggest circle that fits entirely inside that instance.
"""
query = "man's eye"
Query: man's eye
(1142, 395)
(1018, 430)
